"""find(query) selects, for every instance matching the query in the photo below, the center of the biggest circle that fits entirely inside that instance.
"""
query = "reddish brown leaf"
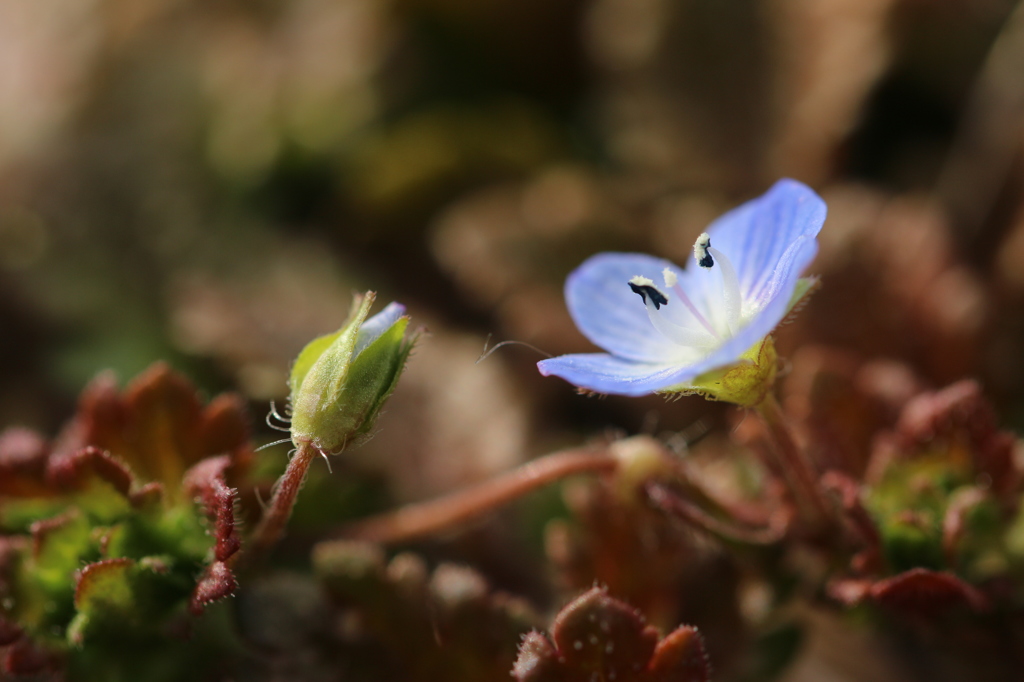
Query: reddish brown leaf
(92, 574)
(537, 660)
(217, 582)
(680, 657)
(869, 559)
(597, 637)
(837, 417)
(71, 470)
(954, 523)
(40, 529)
(601, 545)
(22, 463)
(225, 429)
(162, 434)
(101, 416)
(960, 414)
(922, 592)
(147, 495)
(158, 425)
(597, 633)
(206, 481)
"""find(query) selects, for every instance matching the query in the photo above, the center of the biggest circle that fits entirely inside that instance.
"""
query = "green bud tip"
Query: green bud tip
(340, 381)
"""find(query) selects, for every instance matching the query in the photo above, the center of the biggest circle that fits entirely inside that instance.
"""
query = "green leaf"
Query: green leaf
(103, 592)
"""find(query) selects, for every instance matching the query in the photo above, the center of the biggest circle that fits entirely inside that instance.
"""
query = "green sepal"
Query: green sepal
(341, 343)
(747, 382)
(336, 394)
(744, 383)
(373, 377)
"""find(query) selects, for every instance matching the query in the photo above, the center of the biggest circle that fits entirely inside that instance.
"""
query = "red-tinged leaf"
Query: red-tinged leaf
(537, 660)
(40, 530)
(922, 592)
(680, 657)
(869, 559)
(103, 584)
(158, 426)
(224, 429)
(71, 470)
(22, 463)
(164, 413)
(218, 582)
(206, 481)
(147, 496)
(597, 637)
(601, 545)
(954, 523)
(596, 633)
(960, 413)
(100, 419)
(836, 415)
(25, 658)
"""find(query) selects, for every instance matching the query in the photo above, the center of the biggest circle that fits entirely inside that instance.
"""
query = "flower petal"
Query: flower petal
(377, 325)
(609, 374)
(771, 239)
(762, 324)
(605, 373)
(609, 313)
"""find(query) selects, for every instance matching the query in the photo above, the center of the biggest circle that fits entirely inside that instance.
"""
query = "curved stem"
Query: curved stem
(424, 518)
(671, 503)
(798, 472)
(271, 526)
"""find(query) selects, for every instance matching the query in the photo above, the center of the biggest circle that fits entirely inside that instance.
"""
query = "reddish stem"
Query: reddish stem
(272, 525)
(670, 502)
(795, 467)
(425, 518)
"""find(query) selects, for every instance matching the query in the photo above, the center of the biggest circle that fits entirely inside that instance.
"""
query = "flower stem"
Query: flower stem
(271, 526)
(424, 518)
(677, 506)
(800, 477)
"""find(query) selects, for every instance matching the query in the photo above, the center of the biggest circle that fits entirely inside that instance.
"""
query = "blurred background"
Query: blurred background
(209, 182)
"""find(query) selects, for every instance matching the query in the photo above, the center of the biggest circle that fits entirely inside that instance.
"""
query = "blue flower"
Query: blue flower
(669, 329)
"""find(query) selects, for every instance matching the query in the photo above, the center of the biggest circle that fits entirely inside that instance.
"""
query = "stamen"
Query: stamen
(681, 335)
(648, 292)
(672, 280)
(693, 310)
(730, 289)
(702, 251)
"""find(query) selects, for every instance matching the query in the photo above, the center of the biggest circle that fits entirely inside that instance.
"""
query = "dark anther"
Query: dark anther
(702, 251)
(645, 290)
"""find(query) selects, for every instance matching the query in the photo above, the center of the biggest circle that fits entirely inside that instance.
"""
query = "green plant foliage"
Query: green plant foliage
(110, 561)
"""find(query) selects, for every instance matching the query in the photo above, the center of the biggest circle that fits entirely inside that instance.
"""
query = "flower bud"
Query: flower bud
(340, 381)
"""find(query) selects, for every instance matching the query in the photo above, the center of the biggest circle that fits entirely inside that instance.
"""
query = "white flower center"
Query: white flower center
(688, 325)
